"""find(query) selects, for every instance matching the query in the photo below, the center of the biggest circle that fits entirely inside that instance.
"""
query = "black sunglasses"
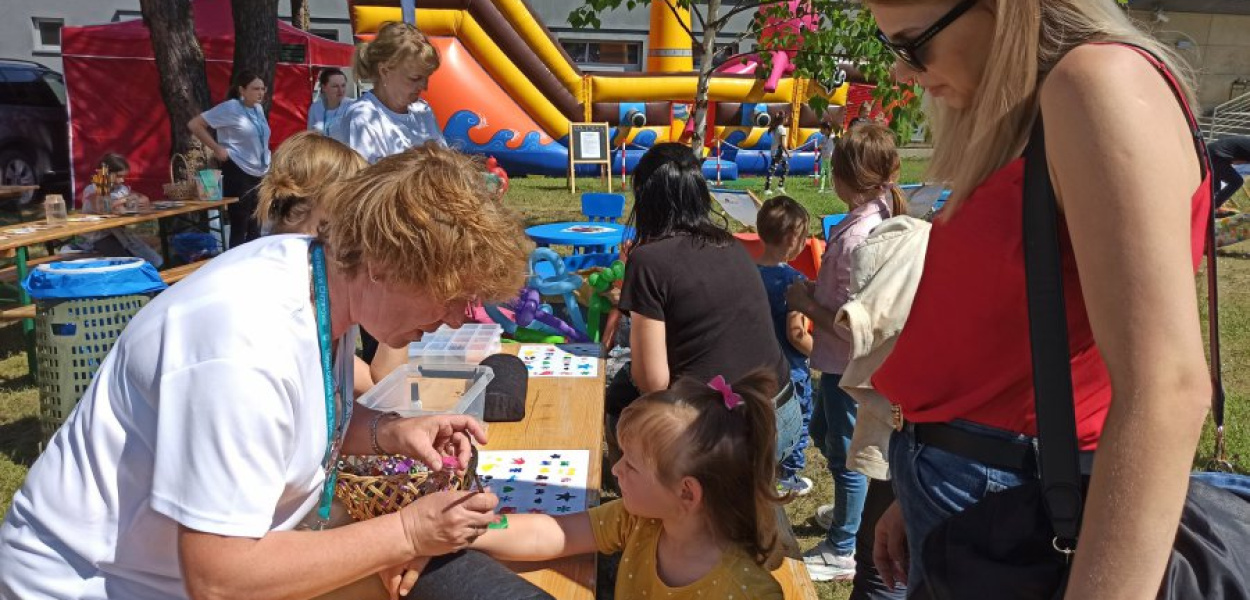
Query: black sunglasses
(909, 51)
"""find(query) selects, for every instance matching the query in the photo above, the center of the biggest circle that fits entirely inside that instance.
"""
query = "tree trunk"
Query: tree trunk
(711, 27)
(299, 14)
(180, 65)
(256, 40)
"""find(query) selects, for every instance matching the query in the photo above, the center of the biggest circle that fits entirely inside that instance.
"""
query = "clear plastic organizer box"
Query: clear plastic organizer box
(469, 344)
(417, 390)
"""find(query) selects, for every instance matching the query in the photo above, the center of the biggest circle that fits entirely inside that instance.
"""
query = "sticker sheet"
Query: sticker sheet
(568, 360)
(549, 482)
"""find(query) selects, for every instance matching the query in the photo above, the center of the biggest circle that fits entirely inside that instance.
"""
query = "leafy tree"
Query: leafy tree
(180, 65)
(844, 37)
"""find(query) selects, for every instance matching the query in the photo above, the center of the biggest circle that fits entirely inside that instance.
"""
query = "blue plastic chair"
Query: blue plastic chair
(831, 221)
(603, 208)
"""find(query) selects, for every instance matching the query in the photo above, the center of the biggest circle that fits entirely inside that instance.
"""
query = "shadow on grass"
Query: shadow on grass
(19, 440)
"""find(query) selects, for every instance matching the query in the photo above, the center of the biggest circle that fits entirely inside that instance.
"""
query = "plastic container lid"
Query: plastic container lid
(417, 390)
(93, 278)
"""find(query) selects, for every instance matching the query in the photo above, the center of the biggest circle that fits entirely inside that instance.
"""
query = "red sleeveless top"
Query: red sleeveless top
(964, 351)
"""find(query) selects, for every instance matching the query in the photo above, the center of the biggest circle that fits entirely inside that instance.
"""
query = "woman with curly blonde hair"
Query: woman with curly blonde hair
(391, 117)
(212, 429)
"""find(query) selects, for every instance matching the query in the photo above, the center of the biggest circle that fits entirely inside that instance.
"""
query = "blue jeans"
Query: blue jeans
(833, 422)
(932, 484)
(789, 426)
(794, 462)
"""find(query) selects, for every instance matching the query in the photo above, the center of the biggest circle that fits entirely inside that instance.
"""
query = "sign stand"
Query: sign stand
(588, 144)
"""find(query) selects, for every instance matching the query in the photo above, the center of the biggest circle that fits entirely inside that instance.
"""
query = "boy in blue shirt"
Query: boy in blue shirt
(783, 228)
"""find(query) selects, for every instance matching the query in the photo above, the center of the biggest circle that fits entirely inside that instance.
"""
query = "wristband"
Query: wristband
(373, 430)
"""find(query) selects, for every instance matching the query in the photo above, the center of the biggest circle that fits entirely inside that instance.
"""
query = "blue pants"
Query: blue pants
(932, 484)
(833, 422)
(796, 460)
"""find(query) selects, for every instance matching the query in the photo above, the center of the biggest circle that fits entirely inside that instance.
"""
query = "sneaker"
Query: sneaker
(781, 190)
(799, 486)
(824, 516)
(767, 192)
(823, 564)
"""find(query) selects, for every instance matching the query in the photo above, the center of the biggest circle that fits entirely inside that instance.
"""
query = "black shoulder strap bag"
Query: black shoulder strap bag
(1019, 543)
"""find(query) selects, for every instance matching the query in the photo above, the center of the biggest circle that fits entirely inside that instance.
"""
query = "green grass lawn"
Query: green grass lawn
(542, 200)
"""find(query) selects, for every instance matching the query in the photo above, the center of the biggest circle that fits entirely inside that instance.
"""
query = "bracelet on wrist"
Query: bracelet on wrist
(373, 430)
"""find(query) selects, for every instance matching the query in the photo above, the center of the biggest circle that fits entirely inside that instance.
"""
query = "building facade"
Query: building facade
(32, 29)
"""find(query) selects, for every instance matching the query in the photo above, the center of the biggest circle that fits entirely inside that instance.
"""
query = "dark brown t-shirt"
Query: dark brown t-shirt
(713, 305)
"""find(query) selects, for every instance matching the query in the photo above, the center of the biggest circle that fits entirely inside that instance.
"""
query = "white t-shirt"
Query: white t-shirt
(779, 139)
(323, 120)
(237, 133)
(376, 131)
(826, 147)
(209, 412)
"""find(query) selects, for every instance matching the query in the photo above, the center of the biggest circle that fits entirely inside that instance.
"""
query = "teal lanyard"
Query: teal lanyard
(331, 115)
(334, 428)
(262, 129)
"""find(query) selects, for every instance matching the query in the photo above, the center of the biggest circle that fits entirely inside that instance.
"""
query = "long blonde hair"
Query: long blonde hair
(1030, 36)
(394, 44)
(303, 167)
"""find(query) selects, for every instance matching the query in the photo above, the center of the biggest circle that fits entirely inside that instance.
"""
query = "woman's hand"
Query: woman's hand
(221, 154)
(430, 439)
(400, 579)
(447, 521)
(889, 550)
(800, 296)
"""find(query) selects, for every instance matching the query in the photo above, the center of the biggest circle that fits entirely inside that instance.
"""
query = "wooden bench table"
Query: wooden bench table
(17, 238)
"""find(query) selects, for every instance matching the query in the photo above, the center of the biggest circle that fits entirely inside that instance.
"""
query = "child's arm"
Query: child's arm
(539, 537)
(796, 332)
(800, 298)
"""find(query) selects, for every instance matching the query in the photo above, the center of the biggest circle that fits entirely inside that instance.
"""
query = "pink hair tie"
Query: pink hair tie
(719, 384)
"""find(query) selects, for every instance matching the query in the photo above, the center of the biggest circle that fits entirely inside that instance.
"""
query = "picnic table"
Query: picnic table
(564, 413)
(15, 240)
(597, 236)
(13, 191)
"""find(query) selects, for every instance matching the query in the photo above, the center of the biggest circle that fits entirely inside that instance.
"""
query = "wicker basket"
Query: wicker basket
(181, 191)
(368, 496)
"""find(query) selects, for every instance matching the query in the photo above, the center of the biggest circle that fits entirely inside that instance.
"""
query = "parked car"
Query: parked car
(34, 129)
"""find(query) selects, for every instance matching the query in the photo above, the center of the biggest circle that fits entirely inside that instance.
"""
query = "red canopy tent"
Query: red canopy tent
(114, 91)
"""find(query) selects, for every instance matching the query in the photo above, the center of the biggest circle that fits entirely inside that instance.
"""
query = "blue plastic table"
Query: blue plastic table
(558, 234)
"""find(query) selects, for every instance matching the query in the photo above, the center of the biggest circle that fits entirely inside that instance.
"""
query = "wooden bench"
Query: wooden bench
(170, 276)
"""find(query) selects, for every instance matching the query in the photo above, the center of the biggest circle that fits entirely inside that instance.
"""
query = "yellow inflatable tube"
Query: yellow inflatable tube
(682, 88)
(530, 30)
(461, 25)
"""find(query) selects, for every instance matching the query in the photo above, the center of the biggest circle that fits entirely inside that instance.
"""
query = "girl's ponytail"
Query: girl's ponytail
(758, 389)
(898, 202)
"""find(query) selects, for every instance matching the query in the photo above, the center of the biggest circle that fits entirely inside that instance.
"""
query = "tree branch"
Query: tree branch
(676, 15)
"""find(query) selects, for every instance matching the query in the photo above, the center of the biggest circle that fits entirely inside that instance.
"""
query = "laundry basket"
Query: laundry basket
(81, 307)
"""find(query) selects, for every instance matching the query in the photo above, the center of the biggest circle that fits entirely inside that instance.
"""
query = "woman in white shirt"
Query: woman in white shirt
(241, 147)
(212, 428)
(327, 110)
(392, 117)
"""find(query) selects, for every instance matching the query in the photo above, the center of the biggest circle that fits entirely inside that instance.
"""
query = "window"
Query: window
(30, 87)
(329, 34)
(47, 34)
(723, 53)
(605, 56)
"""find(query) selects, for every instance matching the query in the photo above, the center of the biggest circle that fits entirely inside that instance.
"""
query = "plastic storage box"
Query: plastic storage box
(417, 390)
(469, 344)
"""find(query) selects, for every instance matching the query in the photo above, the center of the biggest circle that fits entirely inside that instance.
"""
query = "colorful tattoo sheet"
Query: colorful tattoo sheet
(568, 360)
(549, 482)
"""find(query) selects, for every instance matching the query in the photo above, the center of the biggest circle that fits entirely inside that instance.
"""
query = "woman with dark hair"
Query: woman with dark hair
(695, 299)
(242, 148)
(327, 110)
